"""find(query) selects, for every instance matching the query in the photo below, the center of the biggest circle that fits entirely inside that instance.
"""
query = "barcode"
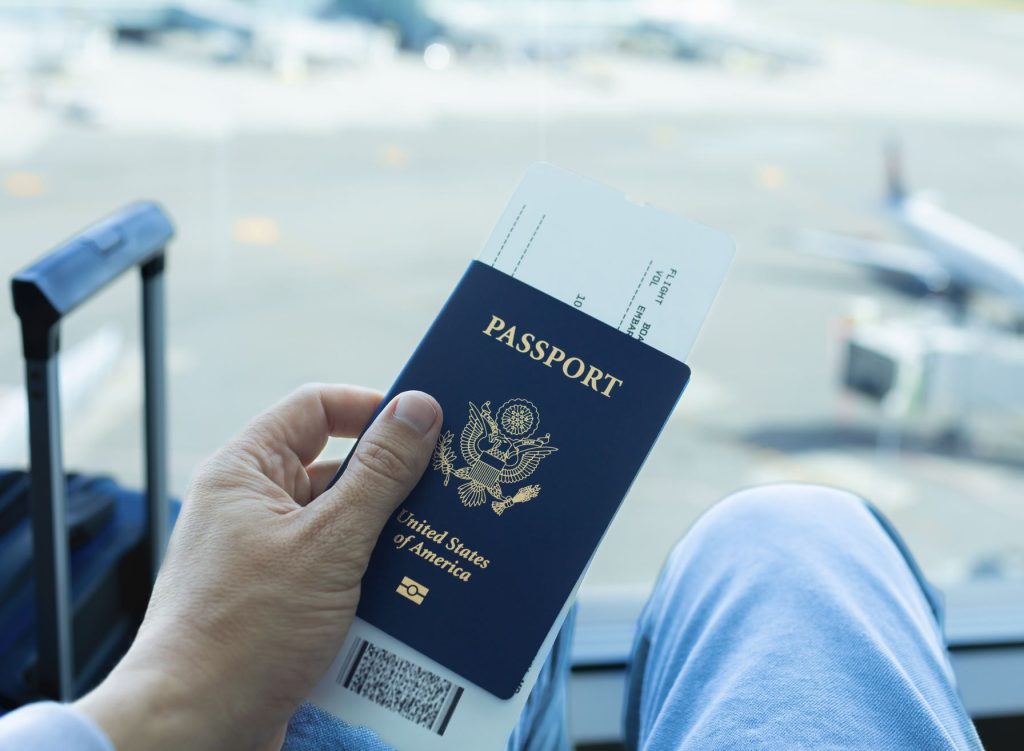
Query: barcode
(399, 685)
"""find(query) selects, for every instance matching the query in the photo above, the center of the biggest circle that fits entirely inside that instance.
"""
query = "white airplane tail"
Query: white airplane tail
(895, 187)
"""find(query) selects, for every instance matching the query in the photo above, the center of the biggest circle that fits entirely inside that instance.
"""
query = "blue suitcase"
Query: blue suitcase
(78, 554)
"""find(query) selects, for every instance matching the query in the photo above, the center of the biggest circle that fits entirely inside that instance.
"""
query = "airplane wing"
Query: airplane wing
(881, 257)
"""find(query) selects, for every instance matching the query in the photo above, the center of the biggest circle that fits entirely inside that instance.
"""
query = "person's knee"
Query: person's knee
(776, 519)
(785, 506)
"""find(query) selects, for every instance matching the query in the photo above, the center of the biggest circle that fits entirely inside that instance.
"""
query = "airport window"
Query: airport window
(331, 168)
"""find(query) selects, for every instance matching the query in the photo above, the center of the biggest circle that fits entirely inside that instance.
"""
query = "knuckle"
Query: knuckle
(307, 393)
(308, 390)
(382, 461)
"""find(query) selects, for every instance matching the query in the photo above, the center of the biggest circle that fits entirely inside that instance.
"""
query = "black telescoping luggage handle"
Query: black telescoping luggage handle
(44, 293)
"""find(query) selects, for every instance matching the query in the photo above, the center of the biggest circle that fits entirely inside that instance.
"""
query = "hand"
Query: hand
(261, 578)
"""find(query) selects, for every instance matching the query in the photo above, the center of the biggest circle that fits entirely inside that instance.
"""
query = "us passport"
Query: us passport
(557, 359)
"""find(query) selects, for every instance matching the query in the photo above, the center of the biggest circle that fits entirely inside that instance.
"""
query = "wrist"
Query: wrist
(142, 709)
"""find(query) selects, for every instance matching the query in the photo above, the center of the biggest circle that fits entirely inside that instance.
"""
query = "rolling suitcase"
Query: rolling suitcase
(78, 554)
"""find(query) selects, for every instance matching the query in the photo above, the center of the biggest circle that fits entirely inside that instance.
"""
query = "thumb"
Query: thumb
(386, 463)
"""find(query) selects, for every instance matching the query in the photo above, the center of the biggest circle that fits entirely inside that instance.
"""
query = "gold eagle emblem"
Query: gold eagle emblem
(498, 448)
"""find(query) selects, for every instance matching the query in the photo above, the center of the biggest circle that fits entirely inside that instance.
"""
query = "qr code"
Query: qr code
(399, 685)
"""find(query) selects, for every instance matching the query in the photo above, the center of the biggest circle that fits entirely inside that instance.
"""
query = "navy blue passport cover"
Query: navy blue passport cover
(536, 453)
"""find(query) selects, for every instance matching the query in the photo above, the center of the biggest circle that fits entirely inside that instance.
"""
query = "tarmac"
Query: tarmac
(323, 222)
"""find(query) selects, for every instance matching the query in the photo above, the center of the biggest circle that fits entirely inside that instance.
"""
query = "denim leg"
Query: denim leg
(793, 617)
(313, 729)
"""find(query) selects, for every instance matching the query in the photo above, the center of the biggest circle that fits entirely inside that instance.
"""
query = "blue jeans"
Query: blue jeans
(788, 617)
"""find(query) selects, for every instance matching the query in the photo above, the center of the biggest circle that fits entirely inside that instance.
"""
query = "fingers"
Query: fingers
(385, 465)
(301, 423)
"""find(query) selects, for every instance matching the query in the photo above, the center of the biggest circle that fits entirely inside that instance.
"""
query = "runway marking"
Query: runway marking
(256, 230)
(664, 137)
(24, 185)
(771, 177)
(394, 156)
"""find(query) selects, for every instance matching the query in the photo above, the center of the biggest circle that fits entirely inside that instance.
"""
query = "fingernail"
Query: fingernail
(416, 409)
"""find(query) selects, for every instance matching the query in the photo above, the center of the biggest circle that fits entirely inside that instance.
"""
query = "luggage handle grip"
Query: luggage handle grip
(44, 293)
(70, 274)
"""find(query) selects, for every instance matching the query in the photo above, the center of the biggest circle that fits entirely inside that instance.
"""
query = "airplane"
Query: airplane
(950, 257)
(559, 29)
(235, 31)
(951, 360)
